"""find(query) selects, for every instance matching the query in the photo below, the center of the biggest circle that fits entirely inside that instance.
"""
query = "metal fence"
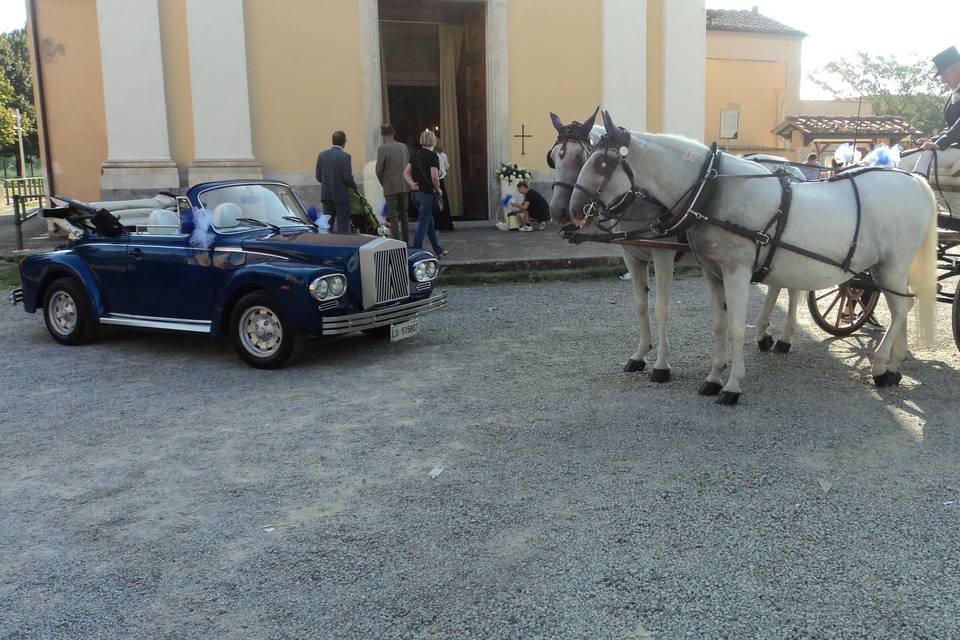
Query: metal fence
(27, 188)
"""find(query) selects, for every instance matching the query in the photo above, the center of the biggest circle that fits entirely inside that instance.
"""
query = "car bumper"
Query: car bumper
(15, 297)
(338, 325)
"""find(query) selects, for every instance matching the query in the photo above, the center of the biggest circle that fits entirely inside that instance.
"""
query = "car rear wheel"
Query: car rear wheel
(68, 313)
(261, 333)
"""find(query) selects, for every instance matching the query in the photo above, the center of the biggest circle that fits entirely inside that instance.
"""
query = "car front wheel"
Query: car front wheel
(261, 333)
(68, 313)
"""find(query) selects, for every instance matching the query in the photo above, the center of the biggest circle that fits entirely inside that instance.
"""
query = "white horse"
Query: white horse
(896, 240)
(567, 157)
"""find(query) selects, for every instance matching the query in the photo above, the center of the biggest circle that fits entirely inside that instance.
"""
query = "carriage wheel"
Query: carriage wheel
(843, 309)
(956, 316)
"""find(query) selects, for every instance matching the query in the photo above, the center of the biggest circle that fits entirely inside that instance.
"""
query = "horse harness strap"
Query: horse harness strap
(780, 220)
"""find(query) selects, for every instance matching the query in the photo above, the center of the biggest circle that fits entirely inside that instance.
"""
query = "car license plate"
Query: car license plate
(404, 330)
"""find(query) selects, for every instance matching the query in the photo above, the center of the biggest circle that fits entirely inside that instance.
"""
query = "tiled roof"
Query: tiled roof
(846, 125)
(743, 20)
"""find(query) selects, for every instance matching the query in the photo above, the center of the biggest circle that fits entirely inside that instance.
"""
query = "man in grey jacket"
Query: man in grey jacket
(335, 176)
(392, 159)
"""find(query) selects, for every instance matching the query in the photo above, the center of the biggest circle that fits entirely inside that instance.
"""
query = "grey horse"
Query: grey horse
(886, 225)
(574, 143)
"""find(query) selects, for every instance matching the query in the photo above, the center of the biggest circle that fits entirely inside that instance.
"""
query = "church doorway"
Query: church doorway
(433, 65)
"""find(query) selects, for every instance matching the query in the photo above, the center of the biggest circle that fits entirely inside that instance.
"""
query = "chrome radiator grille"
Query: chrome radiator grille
(384, 272)
(393, 281)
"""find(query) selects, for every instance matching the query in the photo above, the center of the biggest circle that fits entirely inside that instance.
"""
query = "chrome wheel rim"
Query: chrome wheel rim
(62, 313)
(260, 331)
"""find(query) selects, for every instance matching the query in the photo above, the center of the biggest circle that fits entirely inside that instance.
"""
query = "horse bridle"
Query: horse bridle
(568, 135)
(614, 211)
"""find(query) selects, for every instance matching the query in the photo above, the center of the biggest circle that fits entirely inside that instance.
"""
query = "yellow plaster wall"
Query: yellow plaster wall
(760, 73)
(304, 80)
(176, 71)
(655, 65)
(69, 59)
(754, 87)
(552, 68)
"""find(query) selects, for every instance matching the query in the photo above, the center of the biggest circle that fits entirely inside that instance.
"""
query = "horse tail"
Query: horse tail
(923, 276)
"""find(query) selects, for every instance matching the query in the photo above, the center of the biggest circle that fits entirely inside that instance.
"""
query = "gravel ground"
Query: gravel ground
(152, 485)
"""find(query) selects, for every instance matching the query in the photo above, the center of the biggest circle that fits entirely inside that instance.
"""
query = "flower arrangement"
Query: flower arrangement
(513, 172)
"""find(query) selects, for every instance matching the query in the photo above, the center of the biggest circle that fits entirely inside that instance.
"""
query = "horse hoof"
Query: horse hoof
(709, 389)
(634, 366)
(660, 375)
(765, 343)
(781, 347)
(888, 379)
(728, 398)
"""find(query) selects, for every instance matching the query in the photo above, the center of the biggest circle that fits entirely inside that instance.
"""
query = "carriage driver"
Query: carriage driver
(948, 68)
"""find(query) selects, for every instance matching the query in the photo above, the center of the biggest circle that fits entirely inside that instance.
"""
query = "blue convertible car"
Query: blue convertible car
(241, 258)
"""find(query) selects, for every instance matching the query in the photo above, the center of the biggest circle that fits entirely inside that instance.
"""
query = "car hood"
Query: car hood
(309, 246)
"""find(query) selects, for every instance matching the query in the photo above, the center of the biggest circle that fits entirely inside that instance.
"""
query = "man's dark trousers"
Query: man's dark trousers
(339, 213)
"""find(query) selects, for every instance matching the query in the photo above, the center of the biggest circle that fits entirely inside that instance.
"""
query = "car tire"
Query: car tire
(68, 313)
(378, 333)
(262, 334)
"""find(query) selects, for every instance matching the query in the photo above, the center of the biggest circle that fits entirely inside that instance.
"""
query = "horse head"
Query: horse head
(606, 185)
(566, 158)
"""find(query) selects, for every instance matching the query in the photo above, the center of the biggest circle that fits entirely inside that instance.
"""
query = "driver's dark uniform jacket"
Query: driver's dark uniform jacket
(951, 113)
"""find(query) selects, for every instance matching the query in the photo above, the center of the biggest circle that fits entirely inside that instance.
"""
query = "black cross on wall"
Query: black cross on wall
(523, 135)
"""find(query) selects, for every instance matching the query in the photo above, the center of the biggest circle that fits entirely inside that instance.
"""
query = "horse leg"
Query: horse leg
(885, 366)
(736, 288)
(663, 263)
(764, 339)
(783, 342)
(713, 383)
(899, 352)
(639, 270)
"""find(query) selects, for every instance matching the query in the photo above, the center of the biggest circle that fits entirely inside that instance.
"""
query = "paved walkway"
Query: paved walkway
(487, 249)
(473, 249)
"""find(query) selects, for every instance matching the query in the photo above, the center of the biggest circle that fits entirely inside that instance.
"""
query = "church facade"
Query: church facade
(138, 96)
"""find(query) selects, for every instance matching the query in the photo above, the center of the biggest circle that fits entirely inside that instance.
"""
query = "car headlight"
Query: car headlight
(338, 284)
(425, 270)
(328, 287)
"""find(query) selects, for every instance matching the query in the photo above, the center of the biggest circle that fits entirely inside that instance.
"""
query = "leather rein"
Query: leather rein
(675, 220)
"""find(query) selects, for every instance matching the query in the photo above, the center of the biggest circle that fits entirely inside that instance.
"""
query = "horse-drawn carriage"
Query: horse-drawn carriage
(845, 309)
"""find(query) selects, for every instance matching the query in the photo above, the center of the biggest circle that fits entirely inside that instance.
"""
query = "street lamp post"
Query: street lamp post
(19, 130)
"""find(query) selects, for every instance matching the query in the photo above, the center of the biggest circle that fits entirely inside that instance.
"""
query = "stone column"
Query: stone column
(370, 77)
(625, 62)
(684, 68)
(138, 156)
(498, 97)
(221, 99)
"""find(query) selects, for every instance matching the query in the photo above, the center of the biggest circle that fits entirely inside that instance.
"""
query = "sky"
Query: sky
(13, 15)
(907, 29)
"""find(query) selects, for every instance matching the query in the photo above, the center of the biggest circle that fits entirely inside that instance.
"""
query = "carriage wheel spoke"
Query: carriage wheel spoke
(828, 293)
(827, 312)
(843, 304)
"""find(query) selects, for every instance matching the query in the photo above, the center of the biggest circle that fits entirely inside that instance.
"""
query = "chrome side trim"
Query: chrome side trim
(149, 322)
(15, 297)
(253, 253)
(337, 325)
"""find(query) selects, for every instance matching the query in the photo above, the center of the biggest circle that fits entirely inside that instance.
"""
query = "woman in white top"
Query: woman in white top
(444, 223)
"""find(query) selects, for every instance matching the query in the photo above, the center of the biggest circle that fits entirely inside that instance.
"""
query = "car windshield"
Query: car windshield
(243, 206)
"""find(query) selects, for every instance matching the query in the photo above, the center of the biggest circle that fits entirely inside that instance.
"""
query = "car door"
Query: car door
(107, 260)
(168, 277)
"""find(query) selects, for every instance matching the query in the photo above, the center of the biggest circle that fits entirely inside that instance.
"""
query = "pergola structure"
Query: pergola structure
(822, 132)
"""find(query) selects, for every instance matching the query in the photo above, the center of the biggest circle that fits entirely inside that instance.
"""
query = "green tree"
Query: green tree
(905, 89)
(8, 135)
(16, 92)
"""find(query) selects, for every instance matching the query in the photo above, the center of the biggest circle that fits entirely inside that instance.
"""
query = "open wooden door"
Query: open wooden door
(473, 118)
